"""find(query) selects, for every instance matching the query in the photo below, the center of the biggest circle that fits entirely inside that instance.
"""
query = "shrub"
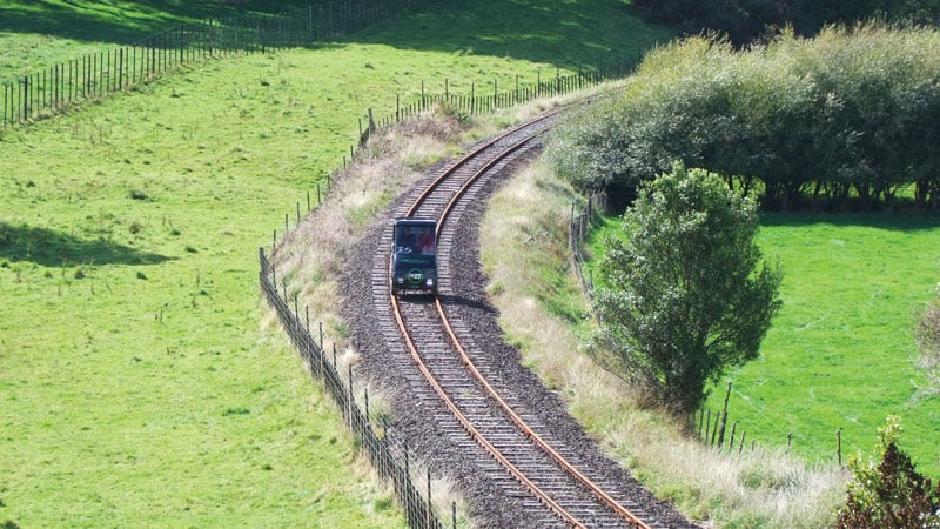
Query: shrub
(928, 336)
(745, 20)
(890, 494)
(688, 293)
(851, 114)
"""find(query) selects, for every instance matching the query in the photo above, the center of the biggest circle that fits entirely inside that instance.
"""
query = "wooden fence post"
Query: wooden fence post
(839, 446)
(724, 421)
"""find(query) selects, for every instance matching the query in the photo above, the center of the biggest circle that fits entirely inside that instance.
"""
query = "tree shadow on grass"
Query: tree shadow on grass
(92, 20)
(906, 221)
(566, 34)
(52, 248)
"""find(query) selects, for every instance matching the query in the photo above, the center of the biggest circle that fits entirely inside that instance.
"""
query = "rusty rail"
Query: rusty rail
(603, 497)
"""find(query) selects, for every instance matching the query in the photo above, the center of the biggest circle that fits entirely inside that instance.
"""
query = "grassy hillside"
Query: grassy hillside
(138, 388)
(34, 35)
(841, 353)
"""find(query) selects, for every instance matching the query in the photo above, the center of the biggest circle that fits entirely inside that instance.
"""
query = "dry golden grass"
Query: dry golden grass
(524, 237)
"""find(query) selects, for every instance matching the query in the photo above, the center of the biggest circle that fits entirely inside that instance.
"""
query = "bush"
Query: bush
(928, 336)
(849, 115)
(687, 292)
(890, 494)
(744, 20)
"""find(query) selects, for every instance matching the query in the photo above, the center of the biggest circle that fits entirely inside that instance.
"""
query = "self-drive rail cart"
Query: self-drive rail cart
(413, 267)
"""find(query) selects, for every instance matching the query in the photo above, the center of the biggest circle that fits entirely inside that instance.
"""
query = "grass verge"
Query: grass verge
(525, 255)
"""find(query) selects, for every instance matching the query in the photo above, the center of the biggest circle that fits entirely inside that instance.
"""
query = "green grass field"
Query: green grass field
(35, 35)
(139, 387)
(841, 353)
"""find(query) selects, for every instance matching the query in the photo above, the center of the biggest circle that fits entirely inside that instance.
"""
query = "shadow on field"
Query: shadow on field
(886, 221)
(51, 248)
(566, 34)
(122, 21)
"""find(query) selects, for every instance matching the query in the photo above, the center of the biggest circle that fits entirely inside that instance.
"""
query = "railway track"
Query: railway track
(549, 483)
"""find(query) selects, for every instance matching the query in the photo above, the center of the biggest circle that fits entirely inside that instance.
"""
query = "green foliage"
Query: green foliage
(928, 337)
(744, 20)
(890, 494)
(849, 114)
(687, 292)
(852, 283)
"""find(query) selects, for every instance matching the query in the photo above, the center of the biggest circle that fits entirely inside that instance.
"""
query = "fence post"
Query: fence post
(473, 97)
(715, 428)
(839, 446)
(429, 496)
(724, 421)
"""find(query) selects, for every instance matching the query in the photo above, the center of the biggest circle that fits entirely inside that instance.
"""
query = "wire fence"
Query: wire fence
(417, 506)
(582, 220)
(40, 94)
(392, 463)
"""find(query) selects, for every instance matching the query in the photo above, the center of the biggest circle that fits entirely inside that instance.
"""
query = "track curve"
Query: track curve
(517, 454)
(553, 488)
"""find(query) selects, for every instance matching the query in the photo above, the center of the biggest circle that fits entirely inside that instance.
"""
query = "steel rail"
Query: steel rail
(466, 158)
(526, 430)
(475, 434)
(471, 367)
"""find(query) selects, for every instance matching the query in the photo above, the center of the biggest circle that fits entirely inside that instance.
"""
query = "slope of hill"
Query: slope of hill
(138, 390)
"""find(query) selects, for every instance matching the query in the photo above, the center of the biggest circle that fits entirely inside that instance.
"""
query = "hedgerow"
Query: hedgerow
(744, 20)
(850, 114)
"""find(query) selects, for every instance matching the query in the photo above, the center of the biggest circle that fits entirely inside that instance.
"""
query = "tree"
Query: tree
(890, 494)
(687, 293)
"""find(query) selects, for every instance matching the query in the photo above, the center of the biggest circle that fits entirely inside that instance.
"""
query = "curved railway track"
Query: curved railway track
(552, 486)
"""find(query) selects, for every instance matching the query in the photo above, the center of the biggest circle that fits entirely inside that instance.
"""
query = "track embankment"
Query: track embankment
(462, 399)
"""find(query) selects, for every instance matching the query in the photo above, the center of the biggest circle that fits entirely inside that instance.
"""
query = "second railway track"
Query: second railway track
(550, 483)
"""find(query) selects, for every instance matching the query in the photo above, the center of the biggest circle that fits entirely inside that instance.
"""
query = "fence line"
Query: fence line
(392, 464)
(417, 507)
(581, 221)
(40, 94)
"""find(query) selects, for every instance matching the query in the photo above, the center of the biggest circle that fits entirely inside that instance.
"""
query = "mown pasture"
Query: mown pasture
(841, 352)
(141, 385)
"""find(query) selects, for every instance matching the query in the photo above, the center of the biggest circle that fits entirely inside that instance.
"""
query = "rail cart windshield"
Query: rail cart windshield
(415, 239)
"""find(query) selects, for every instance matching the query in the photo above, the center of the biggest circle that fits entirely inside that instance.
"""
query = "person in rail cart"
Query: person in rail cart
(414, 257)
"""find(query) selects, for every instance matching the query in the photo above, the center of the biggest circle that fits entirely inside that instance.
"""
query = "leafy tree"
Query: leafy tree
(687, 291)
(745, 20)
(890, 494)
(852, 116)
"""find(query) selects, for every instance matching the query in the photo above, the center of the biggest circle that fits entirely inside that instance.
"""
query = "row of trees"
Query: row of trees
(744, 20)
(853, 114)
